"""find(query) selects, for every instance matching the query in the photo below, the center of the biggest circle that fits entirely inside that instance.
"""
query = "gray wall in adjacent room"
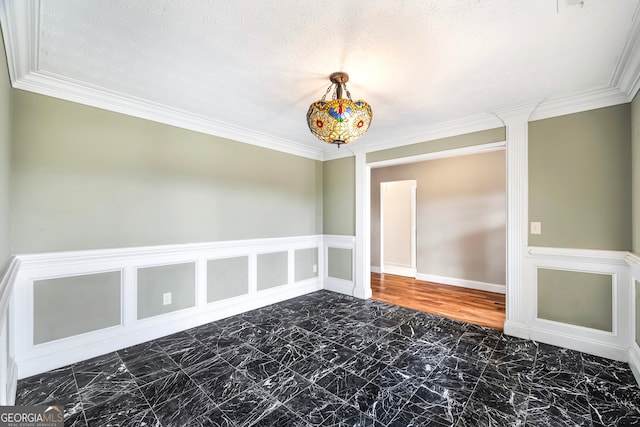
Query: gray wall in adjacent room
(153, 282)
(576, 298)
(461, 215)
(340, 263)
(5, 156)
(580, 179)
(227, 277)
(305, 260)
(273, 270)
(85, 178)
(69, 306)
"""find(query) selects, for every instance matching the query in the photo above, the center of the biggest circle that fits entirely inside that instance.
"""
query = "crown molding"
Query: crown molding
(626, 75)
(21, 29)
(578, 102)
(60, 87)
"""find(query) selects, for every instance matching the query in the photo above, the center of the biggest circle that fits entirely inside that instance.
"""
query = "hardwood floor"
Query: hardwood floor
(469, 305)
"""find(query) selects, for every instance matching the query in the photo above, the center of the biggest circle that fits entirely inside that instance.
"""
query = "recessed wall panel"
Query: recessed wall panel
(340, 264)
(273, 270)
(227, 278)
(576, 298)
(306, 260)
(154, 282)
(68, 306)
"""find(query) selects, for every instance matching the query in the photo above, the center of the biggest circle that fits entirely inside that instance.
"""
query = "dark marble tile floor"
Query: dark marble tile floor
(326, 359)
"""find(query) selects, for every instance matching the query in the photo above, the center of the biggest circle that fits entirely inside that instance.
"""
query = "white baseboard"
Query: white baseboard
(634, 361)
(376, 269)
(338, 285)
(400, 270)
(46, 357)
(471, 284)
(580, 343)
(515, 329)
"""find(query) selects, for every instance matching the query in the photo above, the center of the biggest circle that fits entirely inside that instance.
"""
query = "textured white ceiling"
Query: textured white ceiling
(251, 68)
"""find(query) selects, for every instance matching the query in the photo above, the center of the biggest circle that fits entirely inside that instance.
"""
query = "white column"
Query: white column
(362, 254)
(518, 305)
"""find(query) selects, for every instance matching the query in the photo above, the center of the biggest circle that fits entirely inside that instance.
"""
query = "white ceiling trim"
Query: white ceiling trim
(21, 29)
(626, 75)
(60, 87)
(585, 101)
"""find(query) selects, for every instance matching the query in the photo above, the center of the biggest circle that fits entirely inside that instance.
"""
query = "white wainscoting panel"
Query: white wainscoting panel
(33, 359)
(8, 367)
(614, 344)
(342, 286)
(633, 261)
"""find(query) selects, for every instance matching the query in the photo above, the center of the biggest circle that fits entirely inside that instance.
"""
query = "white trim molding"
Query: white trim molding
(362, 249)
(464, 283)
(33, 358)
(400, 270)
(21, 32)
(516, 122)
(633, 261)
(340, 285)
(612, 344)
(634, 361)
(8, 367)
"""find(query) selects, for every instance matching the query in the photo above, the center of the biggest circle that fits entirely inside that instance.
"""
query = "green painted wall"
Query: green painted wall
(580, 179)
(153, 282)
(576, 298)
(450, 143)
(68, 306)
(635, 156)
(339, 196)
(5, 156)
(86, 178)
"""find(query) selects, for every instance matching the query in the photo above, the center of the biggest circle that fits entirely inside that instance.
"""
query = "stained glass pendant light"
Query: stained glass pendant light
(339, 120)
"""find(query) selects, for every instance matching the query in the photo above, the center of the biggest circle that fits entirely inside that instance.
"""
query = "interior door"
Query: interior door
(398, 227)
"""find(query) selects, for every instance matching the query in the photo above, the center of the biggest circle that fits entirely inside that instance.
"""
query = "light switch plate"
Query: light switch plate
(166, 298)
(536, 228)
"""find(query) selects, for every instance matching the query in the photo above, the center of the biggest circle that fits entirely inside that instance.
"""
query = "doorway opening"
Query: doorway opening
(398, 227)
(459, 232)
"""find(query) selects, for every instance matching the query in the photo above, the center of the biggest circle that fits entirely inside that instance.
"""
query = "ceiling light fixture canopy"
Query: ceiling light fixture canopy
(340, 120)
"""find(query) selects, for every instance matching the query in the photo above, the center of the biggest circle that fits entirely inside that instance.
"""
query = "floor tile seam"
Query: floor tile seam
(217, 404)
(596, 379)
(194, 366)
(153, 411)
(530, 397)
(302, 417)
(84, 417)
(634, 408)
(466, 403)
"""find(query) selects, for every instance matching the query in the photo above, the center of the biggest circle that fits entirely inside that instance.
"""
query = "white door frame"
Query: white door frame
(518, 307)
